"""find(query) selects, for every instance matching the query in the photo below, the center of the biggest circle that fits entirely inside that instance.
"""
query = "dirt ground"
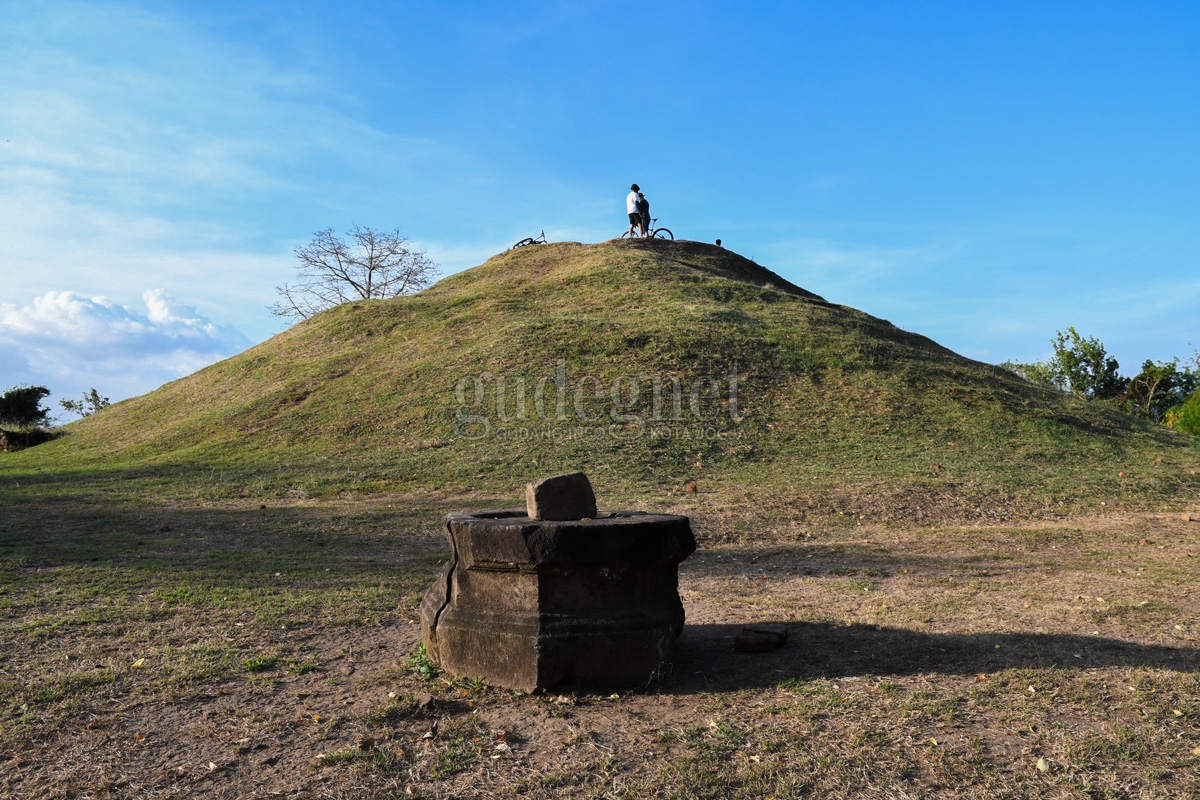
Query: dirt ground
(1049, 659)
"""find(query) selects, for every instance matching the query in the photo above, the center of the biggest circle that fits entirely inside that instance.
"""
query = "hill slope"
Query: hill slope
(647, 363)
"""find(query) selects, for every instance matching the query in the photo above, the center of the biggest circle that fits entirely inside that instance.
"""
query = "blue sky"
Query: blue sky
(982, 173)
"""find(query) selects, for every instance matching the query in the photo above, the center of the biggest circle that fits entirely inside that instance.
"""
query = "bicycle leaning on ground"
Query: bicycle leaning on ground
(653, 233)
(528, 240)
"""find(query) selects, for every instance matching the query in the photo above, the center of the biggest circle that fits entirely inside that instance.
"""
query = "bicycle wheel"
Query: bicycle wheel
(663, 233)
(523, 243)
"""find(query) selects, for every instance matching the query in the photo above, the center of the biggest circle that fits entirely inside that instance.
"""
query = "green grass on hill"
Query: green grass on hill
(836, 413)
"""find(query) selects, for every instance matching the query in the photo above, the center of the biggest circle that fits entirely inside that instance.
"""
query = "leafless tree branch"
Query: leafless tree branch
(372, 265)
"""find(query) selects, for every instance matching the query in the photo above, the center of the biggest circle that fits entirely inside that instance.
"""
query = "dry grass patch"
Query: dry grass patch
(248, 651)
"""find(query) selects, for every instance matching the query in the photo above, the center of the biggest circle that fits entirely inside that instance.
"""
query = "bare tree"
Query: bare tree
(373, 265)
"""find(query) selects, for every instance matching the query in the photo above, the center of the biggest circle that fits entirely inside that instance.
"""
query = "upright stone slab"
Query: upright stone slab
(527, 604)
(562, 497)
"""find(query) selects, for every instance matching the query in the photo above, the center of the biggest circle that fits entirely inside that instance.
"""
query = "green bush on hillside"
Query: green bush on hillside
(1161, 392)
(1080, 366)
(1186, 417)
(1091, 373)
(90, 404)
(1042, 373)
(1158, 388)
(21, 407)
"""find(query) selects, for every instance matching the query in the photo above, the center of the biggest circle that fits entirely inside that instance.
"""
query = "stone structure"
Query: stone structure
(527, 604)
(761, 638)
(562, 497)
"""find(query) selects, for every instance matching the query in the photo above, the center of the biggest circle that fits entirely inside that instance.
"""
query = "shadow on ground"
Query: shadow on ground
(707, 661)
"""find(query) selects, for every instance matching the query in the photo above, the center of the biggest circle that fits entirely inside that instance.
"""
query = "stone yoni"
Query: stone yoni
(531, 599)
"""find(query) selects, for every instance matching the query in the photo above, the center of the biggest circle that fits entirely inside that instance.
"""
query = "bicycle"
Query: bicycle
(528, 240)
(653, 233)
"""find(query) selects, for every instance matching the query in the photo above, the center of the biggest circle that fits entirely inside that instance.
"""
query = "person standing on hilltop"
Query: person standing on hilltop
(631, 206)
(644, 213)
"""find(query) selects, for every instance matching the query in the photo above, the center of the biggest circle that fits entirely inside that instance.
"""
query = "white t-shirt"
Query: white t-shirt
(631, 203)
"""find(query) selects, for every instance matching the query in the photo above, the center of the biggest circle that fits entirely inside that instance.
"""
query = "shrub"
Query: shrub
(22, 407)
(90, 404)
(1186, 417)
(1044, 373)
(1090, 372)
(1080, 366)
(1158, 388)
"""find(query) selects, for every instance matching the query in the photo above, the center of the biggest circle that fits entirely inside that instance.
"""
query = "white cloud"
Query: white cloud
(141, 148)
(71, 343)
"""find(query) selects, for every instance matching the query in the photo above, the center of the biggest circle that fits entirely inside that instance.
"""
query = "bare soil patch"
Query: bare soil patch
(267, 652)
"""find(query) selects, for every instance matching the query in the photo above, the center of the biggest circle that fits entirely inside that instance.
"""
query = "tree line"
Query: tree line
(1166, 392)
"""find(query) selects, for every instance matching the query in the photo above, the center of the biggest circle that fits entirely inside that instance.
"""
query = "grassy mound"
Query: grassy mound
(650, 365)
